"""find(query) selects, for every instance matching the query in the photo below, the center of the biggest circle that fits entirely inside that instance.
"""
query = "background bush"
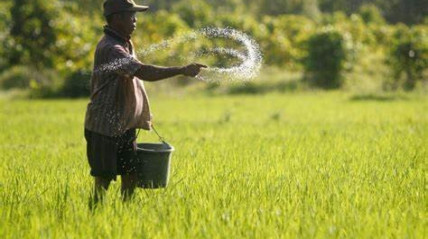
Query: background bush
(324, 63)
(409, 57)
(371, 14)
(17, 77)
(46, 83)
(77, 84)
(32, 34)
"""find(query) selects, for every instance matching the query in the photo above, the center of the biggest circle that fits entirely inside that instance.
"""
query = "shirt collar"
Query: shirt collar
(116, 35)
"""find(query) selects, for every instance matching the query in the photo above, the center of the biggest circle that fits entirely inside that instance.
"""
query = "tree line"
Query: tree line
(48, 45)
(394, 11)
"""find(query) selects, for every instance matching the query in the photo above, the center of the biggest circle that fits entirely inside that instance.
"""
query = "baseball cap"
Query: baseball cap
(115, 6)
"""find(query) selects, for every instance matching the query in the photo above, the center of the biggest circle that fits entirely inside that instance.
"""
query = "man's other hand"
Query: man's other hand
(193, 69)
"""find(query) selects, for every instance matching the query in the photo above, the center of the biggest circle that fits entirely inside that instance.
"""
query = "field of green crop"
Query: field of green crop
(298, 165)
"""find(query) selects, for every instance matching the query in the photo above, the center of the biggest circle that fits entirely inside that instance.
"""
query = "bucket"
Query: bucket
(153, 163)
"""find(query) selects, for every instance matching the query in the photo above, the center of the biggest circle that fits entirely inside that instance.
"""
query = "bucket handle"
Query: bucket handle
(162, 139)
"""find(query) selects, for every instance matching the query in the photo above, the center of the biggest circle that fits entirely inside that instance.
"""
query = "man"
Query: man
(118, 103)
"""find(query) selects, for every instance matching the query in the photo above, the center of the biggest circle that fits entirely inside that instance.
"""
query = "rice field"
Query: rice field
(297, 165)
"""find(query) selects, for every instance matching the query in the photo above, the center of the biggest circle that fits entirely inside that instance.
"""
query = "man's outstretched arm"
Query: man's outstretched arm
(155, 73)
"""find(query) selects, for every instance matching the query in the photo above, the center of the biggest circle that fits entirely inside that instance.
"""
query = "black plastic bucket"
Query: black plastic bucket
(153, 163)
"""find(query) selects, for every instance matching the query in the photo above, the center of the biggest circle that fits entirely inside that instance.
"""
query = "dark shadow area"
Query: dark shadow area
(379, 98)
(288, 86)
(253, 88)
(247, 88)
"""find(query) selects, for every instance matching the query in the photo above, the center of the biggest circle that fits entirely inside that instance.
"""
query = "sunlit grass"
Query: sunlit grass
(301, 165)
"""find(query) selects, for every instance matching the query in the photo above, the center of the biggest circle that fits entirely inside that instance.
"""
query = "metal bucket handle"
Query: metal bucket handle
(162, 139)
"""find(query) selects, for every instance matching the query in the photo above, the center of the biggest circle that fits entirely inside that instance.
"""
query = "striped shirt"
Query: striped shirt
(118, 99)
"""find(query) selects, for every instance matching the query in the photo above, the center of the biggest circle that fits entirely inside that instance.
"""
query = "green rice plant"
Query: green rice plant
(297, 165)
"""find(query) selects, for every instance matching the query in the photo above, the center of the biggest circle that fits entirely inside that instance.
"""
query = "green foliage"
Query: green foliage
(43, 83)
(76, 85)
(409, 56)
(406, 11)
(371, 14)
(324, 63)
(194, 12)
(17, 77)
(46, 83)
(44, 34)
(156, 28)
(84, 7)
(61, 35)
(283, 41)
(75, 43)
(4, 32)
(32, 34)
(308, 8)
(229, 6)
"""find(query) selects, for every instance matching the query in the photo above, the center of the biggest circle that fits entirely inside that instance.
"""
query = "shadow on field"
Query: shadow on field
(254, 88)
(375, 97)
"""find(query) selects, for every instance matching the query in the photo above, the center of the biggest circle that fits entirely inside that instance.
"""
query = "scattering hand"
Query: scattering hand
(193, 69)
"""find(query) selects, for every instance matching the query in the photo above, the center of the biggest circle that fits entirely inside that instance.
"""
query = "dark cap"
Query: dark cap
(115, 6)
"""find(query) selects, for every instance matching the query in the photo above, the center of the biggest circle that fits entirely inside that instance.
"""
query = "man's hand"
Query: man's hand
(193, 69)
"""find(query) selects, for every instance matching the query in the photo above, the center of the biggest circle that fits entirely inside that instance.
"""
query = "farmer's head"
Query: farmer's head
(120, 14)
